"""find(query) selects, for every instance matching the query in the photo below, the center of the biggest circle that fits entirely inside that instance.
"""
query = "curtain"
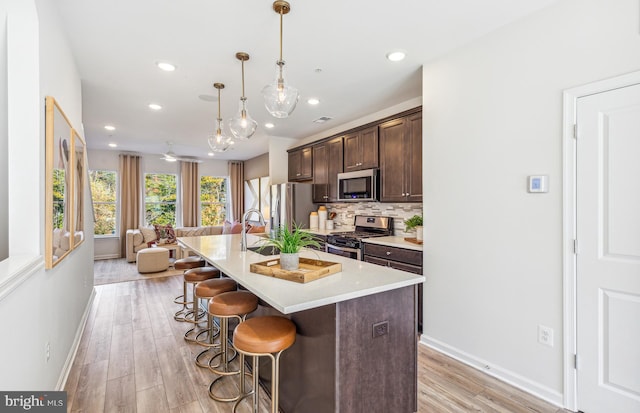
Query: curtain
(236, 188)
(130, 196)
(190, 187)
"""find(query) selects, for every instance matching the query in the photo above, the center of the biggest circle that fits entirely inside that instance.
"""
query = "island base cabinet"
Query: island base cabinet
(356, 356)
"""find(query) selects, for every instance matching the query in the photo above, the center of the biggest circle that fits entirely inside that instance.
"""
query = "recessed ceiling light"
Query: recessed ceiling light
(113, 145)
(396, 55)
(313, 101)
(109, 127)
(167, 67)
(154, 106)
(210, 153)
(269, 125)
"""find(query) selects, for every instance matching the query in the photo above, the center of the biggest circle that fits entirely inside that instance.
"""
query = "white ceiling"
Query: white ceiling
(116, 44)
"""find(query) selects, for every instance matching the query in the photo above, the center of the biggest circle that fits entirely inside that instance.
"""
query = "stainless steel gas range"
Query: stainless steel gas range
(349, 244)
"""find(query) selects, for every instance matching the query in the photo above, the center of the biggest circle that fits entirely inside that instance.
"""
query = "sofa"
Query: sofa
(135, 240)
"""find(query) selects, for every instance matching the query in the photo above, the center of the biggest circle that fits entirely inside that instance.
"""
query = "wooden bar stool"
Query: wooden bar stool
(187, 263)
(263, 336)
(226, 306)
(193, 277)
(207, 290)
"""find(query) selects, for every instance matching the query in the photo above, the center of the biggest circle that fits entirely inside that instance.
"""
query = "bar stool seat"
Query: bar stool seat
(187, 263)
(206, 290)
(263, 336)
(193, 277)
(268, 334)
(201, 274)
(225, 306)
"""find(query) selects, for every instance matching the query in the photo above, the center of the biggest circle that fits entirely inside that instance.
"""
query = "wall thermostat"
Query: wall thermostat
(538, 183)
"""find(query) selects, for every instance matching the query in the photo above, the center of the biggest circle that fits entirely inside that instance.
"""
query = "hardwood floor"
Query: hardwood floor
(133, 358)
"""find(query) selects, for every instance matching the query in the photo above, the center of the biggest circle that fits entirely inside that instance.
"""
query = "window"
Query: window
(160, 199)
(213, 200)
(103, 191)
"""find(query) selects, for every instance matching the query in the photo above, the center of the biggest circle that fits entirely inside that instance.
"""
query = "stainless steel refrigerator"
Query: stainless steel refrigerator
(290, 203)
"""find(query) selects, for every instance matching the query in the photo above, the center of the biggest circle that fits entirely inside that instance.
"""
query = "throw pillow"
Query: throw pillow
(256, 228)
(149, 234)
(165, 231)
(137, 238)
(229, 228)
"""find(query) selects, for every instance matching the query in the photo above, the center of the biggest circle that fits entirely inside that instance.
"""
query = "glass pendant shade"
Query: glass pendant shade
(280, 98)
(218, 142)
(242, 125)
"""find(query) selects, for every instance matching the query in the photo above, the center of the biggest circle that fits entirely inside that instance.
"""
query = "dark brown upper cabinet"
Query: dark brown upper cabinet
(300, 165)
(401, 159)
(361, 149)
(327, 163)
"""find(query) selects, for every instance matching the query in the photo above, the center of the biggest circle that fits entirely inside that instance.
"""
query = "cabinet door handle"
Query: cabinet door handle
(297, 174)
(403, 194)
(408, 194)
(388, 252)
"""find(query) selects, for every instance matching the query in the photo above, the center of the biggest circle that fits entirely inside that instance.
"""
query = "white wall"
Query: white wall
(4, 143)
(109, 247)
(492, 115)
(279, 158)
(41, 64)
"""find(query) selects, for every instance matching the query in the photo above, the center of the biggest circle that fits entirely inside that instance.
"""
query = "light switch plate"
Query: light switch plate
(538, 183)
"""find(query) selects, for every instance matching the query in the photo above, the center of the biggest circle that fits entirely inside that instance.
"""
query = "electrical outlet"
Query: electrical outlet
(380, 329)
(47, 352)
(545, 335)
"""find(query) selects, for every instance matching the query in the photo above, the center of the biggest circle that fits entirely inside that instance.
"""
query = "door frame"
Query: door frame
(570, 100)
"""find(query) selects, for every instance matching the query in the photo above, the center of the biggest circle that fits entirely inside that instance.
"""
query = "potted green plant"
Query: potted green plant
(414, 223)
(290, 242)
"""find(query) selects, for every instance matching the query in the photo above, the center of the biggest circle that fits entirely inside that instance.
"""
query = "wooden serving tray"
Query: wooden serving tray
(309, 270)
(413, 240)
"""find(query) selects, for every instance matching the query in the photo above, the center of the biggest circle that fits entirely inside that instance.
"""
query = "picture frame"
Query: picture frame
(65, 170)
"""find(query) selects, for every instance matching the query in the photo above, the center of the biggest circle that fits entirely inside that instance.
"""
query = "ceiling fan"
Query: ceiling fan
(170, 156)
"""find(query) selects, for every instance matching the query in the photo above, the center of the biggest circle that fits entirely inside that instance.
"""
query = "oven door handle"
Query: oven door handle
(327, 246)
(356, 250)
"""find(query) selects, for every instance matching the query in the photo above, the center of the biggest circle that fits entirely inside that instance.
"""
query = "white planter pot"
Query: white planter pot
(289, 262)
(419, 233)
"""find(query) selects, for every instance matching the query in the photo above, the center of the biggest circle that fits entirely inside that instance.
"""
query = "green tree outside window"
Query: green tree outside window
(160, 199)
(104, 193)
(213, 200)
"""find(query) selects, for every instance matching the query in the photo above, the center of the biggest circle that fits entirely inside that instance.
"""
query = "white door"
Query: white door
(608, 259)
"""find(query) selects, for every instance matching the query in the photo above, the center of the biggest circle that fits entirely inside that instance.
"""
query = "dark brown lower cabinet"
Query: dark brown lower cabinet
(356, 356)
(401, 259)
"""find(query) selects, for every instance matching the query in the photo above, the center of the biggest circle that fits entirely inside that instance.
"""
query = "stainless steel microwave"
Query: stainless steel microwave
(358, 185)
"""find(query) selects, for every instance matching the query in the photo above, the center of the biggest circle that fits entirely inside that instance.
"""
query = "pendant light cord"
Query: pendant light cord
(219, 105)
(281, 14)
(243, 98)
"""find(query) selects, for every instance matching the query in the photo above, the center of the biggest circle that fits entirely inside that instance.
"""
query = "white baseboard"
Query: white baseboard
(66, 369)
(106, 257)
(514, 379)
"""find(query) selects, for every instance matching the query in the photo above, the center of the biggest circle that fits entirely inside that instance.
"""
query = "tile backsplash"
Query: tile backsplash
(345, 213)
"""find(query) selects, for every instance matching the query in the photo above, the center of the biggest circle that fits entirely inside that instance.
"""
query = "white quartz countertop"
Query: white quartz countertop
(357, 279)
(394, 242)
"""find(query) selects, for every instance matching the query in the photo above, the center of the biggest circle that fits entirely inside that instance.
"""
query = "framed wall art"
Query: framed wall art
(65, 169)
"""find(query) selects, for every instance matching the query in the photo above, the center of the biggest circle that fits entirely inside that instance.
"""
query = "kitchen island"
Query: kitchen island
(356, 345)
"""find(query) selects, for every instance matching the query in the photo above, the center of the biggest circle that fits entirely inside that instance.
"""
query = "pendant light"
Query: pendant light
(280, 98)
(242, 125)
(218, 142)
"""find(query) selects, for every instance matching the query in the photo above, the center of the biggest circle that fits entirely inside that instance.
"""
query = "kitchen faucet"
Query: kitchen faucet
(243, 242)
